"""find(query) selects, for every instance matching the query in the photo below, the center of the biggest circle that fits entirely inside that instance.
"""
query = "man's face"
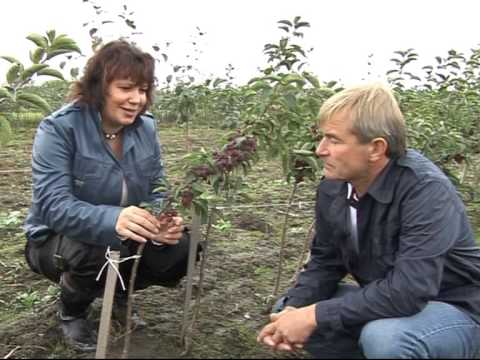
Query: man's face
(343, 156)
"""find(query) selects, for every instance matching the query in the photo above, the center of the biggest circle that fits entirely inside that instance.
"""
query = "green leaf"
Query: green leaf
(201, 208)
(331, 84)
(308, 146)
(291, 101)
(259, 85)
(14, 72)
(37, 55)
(303, 152)
(270, 46)
(39, 40)
(285, 22)
(34, 100)
(273, 78)
(74, 72)
(28, 73)
(52, 54)
(4, 93)
(313, 162)
(454, 64)
(302, 24)
(51, 35)
(5, 131)
(218, 81)
(63, 42)
(10, 59)
(294, 78)
(51, 72)
(404, 63)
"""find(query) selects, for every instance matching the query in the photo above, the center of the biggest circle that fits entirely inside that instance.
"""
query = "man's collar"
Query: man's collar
(383, 186)
(381, 189)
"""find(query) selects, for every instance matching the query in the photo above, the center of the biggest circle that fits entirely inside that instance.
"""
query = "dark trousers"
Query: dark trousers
(81, 263)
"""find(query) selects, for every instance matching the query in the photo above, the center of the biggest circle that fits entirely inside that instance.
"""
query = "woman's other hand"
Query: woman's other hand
(170, 230)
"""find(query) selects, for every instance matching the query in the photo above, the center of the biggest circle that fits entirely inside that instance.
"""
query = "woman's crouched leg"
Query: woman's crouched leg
(74, 265)
(163, 265)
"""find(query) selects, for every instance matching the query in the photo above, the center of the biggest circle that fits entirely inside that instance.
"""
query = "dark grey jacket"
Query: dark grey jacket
(416, 246)
(77, 181)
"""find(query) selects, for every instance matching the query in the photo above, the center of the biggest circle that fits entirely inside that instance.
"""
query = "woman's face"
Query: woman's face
(124, 100)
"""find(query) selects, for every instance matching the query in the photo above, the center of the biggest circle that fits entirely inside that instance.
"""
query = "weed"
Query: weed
(28, 299)
(223, 225)
(11, 219)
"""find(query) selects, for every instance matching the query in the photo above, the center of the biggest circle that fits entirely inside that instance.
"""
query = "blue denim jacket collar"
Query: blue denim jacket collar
(384, 185)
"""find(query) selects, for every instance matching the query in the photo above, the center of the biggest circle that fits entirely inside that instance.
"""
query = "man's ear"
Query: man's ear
(378, 149)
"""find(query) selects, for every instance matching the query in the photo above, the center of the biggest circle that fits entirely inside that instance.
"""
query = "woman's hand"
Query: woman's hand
(170, 230)
(137, 224)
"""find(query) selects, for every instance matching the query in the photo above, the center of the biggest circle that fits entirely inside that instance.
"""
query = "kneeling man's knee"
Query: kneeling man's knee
(387, 339)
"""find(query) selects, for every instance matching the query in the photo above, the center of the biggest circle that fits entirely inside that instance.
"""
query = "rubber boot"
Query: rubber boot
(77, 330)
(72, 314)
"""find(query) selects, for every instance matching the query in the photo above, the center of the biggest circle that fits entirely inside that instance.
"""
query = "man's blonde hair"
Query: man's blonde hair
(374, 113)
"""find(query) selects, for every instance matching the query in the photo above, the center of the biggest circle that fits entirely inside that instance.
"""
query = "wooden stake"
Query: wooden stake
(283, 243)
(131, 286)
(192, 254)
(106, 316)
(196, 307)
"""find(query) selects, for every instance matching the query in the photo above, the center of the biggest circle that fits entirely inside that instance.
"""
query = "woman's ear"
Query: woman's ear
(378, 149)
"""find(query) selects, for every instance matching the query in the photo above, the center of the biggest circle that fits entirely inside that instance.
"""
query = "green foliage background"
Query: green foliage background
(441, 101)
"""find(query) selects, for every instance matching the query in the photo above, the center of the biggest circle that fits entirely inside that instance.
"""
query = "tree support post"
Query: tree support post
(106, 316)
(192, 254)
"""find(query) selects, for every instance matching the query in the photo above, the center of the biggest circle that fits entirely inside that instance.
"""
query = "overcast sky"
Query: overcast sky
(343, 33)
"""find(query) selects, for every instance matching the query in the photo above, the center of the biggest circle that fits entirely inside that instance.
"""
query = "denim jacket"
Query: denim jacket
(416, 245)
(77, 180)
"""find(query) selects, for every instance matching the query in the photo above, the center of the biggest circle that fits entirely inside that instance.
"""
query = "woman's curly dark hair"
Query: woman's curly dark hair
(115, 60)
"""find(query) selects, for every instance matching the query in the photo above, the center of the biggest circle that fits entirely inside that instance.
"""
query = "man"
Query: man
(392, 220)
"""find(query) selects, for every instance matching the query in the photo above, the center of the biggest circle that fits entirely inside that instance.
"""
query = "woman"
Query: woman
(94, 161)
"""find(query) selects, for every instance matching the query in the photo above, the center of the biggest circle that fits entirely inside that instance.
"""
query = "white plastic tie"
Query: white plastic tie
(112, 263)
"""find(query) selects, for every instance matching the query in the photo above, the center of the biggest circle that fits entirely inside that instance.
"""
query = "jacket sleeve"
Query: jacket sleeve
(52, 156)
(324, 270)
(433, 218)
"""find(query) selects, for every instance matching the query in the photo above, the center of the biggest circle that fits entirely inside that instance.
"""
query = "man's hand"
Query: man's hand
(276, 316)
(289, 329)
